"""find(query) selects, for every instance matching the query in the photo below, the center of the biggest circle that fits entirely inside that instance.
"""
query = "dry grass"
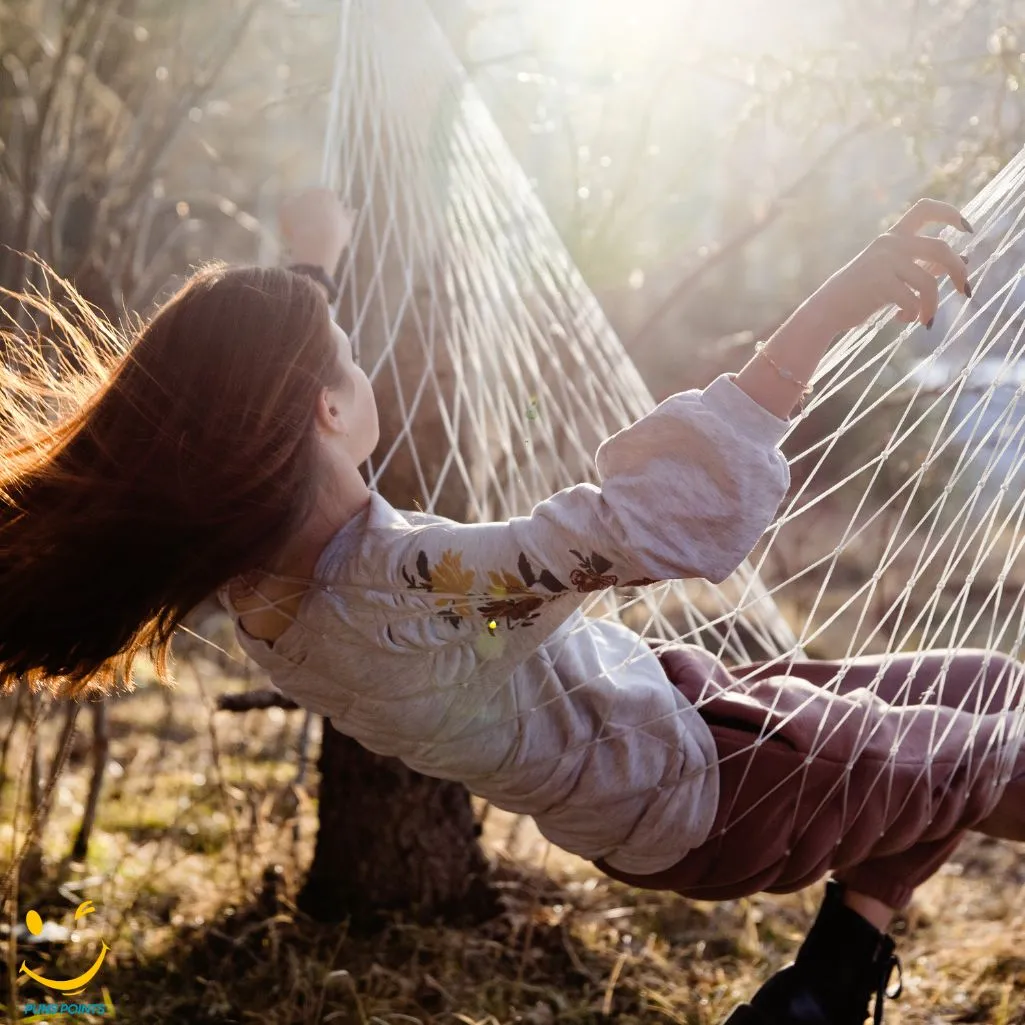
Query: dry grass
(202, 927)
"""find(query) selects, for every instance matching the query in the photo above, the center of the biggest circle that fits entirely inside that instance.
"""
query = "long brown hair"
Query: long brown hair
(139, 473)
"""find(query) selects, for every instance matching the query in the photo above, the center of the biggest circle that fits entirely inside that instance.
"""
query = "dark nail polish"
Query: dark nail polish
(964, 259)
(928, 323)
(968, 290)
(967, 226)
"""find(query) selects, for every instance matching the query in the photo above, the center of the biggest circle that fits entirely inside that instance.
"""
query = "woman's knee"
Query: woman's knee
(1007, 820)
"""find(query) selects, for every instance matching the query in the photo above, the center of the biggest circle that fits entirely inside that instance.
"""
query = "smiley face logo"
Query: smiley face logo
(35, 926)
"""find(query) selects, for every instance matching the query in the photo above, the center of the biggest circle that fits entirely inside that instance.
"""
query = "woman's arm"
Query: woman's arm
(686, 491)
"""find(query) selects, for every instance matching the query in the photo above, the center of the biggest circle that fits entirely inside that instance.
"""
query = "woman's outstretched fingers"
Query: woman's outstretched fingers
(925, 285)
(930, 211)
(939, 270)
(905, 300)
(908, 252)
(936, 252)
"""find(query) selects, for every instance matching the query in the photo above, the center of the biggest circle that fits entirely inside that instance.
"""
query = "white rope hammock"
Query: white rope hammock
(469, 314)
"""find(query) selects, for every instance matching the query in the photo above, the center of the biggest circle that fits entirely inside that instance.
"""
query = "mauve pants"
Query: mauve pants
(877, 786)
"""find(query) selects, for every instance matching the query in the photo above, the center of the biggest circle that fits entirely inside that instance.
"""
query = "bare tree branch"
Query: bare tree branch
(741, 238)
(254, 699)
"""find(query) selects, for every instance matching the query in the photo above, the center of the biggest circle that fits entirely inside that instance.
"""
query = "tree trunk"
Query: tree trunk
(391, 839)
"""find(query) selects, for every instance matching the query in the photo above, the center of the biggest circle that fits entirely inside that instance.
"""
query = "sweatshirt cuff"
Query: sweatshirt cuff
(735, 406)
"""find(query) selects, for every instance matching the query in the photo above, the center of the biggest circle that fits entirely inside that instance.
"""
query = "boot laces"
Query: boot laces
(883, 990)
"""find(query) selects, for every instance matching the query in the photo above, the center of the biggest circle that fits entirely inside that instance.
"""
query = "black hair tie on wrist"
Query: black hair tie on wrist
(321, 276)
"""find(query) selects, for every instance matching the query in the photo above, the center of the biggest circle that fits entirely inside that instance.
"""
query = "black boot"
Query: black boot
(843, 963)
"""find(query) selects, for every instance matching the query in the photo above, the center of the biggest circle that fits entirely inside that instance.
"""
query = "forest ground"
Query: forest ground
(202, 839)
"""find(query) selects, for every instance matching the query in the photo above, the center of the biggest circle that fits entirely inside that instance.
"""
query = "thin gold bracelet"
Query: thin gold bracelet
(806, 389)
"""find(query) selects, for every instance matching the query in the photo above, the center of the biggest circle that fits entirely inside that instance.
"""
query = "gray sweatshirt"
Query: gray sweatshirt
(461, 649)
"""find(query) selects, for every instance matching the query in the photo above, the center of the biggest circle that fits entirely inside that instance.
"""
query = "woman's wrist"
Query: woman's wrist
(317, 273)
(318, 256)
(776, 377)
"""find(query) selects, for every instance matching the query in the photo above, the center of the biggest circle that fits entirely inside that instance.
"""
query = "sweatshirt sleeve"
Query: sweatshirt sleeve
(685, 491)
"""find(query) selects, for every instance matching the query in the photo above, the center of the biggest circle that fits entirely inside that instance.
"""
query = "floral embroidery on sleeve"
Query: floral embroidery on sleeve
(510, 596)
(448, 577)
(589, 576)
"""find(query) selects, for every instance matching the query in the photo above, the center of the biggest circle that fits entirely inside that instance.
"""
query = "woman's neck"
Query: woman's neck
(341, 499)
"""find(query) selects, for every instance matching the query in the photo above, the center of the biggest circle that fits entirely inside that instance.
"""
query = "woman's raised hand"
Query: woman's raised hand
(316, 227)
(900, 267)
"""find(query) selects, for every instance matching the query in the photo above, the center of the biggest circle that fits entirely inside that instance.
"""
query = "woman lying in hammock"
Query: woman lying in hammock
(223, 454)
